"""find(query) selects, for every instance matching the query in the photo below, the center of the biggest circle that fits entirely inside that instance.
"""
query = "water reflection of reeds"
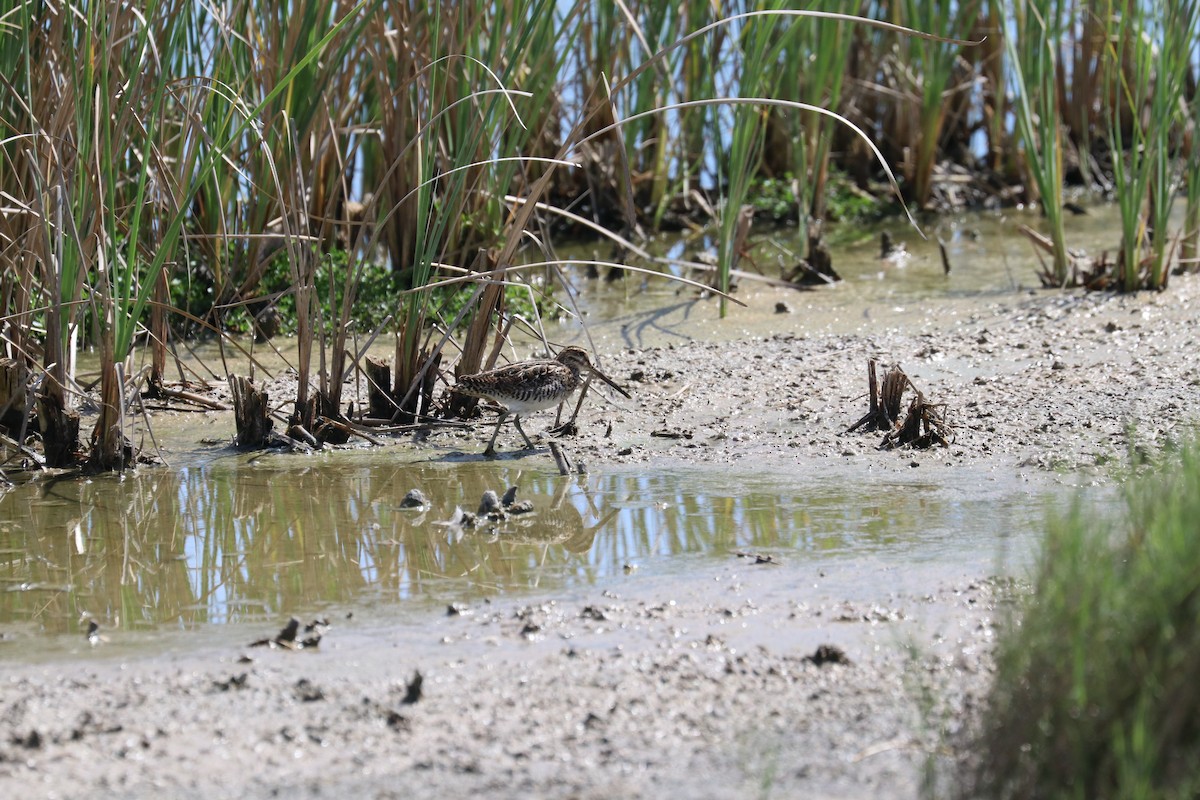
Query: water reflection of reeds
(236, 540)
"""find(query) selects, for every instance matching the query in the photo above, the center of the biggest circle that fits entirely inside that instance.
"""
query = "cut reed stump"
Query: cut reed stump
(250, 414)
(924, 424)
(379, 398)
(306, 425)
(1091, 273)
(60, 431)
(412, 394)
(405, 401)
(815, 270)
(110, 451)
(14, 394)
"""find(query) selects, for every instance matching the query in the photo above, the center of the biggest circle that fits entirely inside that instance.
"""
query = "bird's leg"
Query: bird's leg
(491, 448)
(517, 422)
(568, 428)
(582, 393)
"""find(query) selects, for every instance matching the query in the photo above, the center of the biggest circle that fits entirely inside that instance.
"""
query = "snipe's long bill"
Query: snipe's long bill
(529, 386)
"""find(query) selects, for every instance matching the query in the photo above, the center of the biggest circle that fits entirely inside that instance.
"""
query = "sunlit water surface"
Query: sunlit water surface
(255, 538)
(237, 538)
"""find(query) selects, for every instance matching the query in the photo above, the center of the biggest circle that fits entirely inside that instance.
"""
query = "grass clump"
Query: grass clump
(1096, 693)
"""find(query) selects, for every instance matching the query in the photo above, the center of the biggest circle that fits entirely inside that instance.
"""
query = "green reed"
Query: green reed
(115, 174)
(814, 61)
(931, 63)
(758, 52)
(1189, 251)
(1147, 76)
(1189, 248)
(1033, 57)
(95, 124)
(1095, 692)
(275, 188)
(1081, 82)
(988, 61)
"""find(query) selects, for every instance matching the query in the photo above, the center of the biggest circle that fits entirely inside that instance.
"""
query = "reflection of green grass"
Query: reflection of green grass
(1096, 692)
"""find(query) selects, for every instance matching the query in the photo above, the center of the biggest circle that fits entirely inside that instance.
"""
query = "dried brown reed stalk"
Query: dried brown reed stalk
(922, 426)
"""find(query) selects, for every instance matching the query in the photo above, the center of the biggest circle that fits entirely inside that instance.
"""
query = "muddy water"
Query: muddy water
(989, 260)
(166, 556)
(253, 539)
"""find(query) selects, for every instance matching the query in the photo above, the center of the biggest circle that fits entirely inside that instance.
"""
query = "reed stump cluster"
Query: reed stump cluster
(922, 426)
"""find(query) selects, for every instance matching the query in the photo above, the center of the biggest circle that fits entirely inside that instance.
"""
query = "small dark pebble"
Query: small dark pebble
(31, 741)
(593, 613)
(413, 691)
(625, 451)
(232, 682)
(828, 654)
(782, 308)
(414, 499)
(457, 610)
(308, 692)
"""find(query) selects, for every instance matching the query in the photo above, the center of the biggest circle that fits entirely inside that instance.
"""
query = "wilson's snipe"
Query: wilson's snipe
(529, 386)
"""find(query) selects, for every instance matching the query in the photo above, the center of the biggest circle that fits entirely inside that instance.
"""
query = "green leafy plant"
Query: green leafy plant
(1095, 693)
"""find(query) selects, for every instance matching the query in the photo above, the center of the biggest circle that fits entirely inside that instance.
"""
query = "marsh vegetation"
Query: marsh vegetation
(169, 170)
(1094, 694)
(347, 172)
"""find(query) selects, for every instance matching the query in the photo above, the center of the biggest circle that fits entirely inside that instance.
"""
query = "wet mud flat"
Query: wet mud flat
(734, 679)
(1034, 383)
(747, 680)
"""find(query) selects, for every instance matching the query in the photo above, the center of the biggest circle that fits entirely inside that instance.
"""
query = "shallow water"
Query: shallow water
(255, 538)
(174, 554)
(990, 261)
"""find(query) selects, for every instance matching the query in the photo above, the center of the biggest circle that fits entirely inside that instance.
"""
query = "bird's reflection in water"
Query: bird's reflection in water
(559, 522)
